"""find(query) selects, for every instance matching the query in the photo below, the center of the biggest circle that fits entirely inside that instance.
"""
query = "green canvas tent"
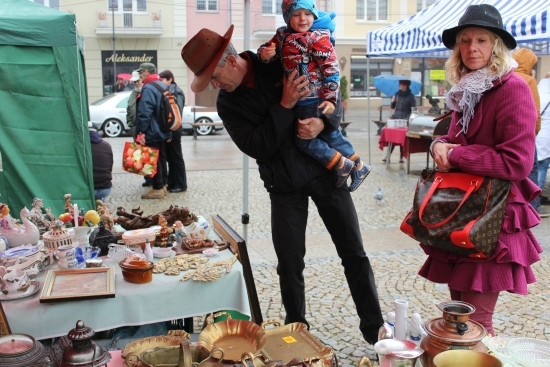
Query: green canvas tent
(44, 139)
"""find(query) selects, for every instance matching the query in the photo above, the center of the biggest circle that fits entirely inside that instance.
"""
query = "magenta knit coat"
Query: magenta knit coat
(500, 142)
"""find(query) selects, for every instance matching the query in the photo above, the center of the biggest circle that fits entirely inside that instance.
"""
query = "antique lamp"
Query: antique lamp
(83, 352)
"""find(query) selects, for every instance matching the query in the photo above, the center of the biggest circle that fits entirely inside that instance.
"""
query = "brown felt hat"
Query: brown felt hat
(202, 54)
(481, 16)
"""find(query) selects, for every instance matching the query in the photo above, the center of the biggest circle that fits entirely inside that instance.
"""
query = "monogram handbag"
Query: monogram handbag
(457, 212)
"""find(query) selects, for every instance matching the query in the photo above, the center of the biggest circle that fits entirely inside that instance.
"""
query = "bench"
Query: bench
(196, 125)
(343, 126)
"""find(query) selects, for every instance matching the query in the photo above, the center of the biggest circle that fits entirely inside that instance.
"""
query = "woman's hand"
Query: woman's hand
(309, 128)
(440, 153)
(294, 89)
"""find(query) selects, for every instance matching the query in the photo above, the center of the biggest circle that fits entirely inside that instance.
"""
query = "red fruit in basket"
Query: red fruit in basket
(80, 220)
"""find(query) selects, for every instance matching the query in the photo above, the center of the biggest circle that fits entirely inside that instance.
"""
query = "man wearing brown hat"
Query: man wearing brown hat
(256, 109)
(148, 113)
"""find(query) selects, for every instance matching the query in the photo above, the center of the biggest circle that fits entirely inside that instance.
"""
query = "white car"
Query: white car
(108, 114)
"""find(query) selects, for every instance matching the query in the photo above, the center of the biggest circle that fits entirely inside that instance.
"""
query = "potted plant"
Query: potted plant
(102, 17)
(344, 95)
(156, 19)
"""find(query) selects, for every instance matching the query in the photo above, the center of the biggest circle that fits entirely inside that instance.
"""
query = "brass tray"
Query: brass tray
(234, 337)
(295, 341)
(141, 345)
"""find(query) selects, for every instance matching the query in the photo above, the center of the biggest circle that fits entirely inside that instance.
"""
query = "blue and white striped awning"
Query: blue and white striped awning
(420, 35)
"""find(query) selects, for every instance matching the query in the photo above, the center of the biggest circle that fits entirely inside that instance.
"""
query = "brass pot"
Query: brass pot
(452, 331)
(460, 358)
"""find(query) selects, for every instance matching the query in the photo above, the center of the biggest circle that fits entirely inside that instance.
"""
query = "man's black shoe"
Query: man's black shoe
(177, 189)
(544, 200)
(147, 183)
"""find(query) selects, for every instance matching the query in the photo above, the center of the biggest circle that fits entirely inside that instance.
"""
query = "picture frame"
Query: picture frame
(78, 284)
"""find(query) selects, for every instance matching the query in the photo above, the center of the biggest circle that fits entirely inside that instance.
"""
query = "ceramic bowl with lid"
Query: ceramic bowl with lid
(137, 269)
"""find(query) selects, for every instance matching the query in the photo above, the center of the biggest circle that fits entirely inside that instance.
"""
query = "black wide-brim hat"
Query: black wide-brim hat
(481, 16)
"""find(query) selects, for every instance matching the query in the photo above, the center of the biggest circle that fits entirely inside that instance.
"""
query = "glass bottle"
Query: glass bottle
(148, 250)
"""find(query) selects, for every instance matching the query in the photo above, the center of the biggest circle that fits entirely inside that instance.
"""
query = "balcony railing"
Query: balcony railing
(129, 25)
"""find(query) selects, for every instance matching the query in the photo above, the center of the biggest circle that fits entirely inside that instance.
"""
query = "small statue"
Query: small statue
(36, 210)
(179, 232)
(164, 231)
(387, 330)
(49, 216)
(415, 331)
(69, 208)
(106, 218)
(6, 220)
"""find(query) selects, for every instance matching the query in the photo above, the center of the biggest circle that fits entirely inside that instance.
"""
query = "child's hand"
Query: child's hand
(268, 52)
(328, 107)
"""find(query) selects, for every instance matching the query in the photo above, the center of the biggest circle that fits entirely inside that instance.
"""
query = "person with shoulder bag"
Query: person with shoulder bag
(492, 132)
(177, 178)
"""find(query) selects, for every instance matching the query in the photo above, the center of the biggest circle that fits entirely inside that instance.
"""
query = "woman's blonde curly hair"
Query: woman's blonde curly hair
(500, 62)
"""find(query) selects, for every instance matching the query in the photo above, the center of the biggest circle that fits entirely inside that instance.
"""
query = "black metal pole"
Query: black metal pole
(114, 45)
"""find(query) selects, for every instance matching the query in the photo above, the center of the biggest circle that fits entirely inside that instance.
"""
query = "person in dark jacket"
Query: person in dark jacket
(102, 161)
(177, 179)
(148, 113)
(402, 102)
(257, 110)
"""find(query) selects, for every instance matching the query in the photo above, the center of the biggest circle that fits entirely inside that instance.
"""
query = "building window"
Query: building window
(372, 10)
(271, 6)
(207, 5)
(423, 4)
(128, 6)
(358, 70)
(50, 3)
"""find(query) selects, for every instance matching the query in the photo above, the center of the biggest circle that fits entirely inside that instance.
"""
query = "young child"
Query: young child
(306, 44)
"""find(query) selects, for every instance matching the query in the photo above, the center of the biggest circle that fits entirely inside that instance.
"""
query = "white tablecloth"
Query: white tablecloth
(165, 298)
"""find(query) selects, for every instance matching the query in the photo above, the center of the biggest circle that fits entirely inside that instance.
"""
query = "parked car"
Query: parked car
(108, 114)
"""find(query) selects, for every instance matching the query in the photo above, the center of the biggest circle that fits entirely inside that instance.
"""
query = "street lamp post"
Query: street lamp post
(114, 45)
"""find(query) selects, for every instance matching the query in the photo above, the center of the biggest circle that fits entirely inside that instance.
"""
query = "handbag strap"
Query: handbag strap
(435, 184)
(543, 111)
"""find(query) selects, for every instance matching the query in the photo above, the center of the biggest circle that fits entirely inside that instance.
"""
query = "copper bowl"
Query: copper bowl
(465, 357)
(136, 270)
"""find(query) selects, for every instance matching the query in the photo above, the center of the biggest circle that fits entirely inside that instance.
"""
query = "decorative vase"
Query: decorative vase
(81, 235)
(101, 237)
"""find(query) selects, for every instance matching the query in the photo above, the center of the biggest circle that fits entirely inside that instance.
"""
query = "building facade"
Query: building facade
(121, 34)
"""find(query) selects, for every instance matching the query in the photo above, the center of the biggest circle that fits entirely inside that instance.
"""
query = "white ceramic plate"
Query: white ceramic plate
(33, 288)
(20, 251)
(162, 252)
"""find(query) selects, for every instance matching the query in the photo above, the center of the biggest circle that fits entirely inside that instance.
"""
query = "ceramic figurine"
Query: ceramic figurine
(387, 330)
(17, 234)
(164, 231)
(415, 331)
(179, 232)
(6, 220)
(69, 208)
(50, 217)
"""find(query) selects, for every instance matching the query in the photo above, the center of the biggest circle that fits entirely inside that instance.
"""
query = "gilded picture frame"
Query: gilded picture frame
(78, 284)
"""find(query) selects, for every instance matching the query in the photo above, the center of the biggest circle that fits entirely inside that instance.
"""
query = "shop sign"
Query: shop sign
(126, 62)
(437, 74)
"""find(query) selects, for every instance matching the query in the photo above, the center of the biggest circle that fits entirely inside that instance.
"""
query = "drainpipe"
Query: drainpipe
(229, 13)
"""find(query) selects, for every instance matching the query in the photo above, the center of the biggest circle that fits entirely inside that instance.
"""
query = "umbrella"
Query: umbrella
(389, 84)
(124, 76)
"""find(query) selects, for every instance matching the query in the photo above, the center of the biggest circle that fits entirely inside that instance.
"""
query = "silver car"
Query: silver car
(108, 114)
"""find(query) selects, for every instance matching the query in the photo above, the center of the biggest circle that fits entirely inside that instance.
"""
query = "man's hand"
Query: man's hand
(328, 107)
(293, 89)
(309, 128)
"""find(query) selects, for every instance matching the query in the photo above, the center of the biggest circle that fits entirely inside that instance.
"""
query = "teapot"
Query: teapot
(13, 281)
(452, 331)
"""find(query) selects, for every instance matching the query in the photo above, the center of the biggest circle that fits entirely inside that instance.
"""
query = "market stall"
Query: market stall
(44, 116)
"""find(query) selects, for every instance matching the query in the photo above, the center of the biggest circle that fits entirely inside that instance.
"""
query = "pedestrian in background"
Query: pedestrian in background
(177, 178)
(257, 111)
(102, 162)
(526, 60)
(492, 132)
(148, 113)
(543, 137)
(401, 103)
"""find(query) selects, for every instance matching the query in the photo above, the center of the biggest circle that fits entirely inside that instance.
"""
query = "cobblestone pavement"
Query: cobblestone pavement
(395, 258)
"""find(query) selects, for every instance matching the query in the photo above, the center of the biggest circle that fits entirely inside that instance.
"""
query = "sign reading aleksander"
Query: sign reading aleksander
(124, 58)
(126, 62)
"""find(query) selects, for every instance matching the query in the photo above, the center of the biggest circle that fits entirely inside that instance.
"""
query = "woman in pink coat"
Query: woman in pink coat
(492, 133)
